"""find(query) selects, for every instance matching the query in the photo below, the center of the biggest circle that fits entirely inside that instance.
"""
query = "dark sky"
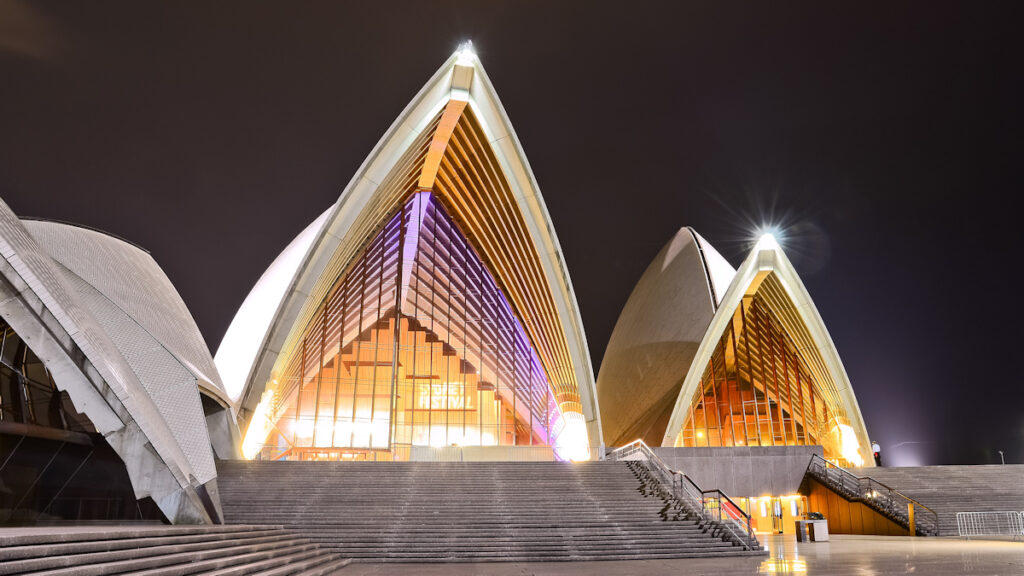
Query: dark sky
(885, 138)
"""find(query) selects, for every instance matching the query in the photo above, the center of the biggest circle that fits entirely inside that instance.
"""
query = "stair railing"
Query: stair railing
(890, 502)
(712, 506)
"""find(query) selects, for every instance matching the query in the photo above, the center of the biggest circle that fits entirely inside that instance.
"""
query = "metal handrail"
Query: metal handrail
(875, 494)
(710, 505)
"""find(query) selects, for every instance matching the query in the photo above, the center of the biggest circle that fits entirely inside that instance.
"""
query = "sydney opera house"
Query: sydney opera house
(705, 355)
(427, 315)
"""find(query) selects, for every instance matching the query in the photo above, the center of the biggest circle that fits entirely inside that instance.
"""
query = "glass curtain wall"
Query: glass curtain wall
(53, 465)
(758, 391)
(28, 394)
(415, 345)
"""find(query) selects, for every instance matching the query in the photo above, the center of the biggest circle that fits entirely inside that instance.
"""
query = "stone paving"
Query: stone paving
(853, 555)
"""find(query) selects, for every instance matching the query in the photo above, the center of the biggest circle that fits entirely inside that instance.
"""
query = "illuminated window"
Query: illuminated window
(761, 389)
(415, 345)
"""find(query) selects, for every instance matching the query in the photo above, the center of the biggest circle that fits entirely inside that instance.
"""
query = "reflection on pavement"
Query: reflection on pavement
(784, 555)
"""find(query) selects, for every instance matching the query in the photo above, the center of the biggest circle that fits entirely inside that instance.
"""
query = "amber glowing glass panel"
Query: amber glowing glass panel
(415, 345)
(757, 390)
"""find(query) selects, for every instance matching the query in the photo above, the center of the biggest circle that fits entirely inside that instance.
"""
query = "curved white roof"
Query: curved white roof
(132, 281)
(657, 335)
(103, 349)
(720, 273)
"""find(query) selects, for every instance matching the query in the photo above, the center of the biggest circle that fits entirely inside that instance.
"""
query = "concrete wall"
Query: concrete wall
(482, 454)
(745, 471)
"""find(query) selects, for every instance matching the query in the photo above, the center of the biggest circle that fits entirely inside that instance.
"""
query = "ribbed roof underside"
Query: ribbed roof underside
(781, 305)
(471, 184)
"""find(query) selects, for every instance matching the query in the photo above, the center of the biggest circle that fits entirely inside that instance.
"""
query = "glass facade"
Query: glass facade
(53, 464)
(415, 345)
(762, 388)
(28, 394)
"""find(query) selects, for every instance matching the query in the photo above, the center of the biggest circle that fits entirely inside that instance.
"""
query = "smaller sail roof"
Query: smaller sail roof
(657, 335)
(767, 264)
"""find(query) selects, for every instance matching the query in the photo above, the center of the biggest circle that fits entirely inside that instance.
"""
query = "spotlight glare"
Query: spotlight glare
(465, 55)
(768, 237)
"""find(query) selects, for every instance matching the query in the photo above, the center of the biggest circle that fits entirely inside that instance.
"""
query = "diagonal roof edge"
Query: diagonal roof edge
(235, 357)
(509, 151)
(134, 282)
(718, 270)
(340, 218)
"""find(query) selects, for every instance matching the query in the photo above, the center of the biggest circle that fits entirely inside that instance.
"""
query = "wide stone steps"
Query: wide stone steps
(464, 511)
(164, 551)
(951, 489)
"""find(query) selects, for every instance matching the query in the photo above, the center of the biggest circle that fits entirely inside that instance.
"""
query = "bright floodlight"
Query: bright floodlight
(767, 241)
(768, 237)
(465, 56)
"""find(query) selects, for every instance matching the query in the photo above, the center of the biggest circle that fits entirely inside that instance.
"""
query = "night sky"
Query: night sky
(884, 138)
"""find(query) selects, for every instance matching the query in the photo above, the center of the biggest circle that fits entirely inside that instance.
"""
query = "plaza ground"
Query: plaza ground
(853, 555)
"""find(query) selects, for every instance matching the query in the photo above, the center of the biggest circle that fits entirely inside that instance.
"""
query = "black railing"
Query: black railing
(889, 502)
(708, 505)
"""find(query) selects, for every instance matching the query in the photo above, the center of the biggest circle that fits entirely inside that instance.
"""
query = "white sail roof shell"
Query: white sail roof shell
(122, 365)
(656, 336)
(448, 83)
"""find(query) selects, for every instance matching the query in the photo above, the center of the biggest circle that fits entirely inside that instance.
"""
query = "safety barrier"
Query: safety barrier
(973, 524)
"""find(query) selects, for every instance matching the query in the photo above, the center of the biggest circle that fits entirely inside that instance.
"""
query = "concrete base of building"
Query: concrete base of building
(482, 454)
(743, 471)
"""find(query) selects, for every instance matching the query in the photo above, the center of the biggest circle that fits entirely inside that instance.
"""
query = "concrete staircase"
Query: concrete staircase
(163, 551)
(951, 489)
(465, 511)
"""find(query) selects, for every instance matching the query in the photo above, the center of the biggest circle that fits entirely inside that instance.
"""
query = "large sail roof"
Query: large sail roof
(455, 139)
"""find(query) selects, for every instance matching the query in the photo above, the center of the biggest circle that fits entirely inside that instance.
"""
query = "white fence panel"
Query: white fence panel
(1007, 523)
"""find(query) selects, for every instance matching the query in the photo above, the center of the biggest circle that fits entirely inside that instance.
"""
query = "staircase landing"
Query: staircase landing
(951, 489)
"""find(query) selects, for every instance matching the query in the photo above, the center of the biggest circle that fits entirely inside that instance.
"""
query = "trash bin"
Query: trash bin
(817, 530)
(801, 531)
